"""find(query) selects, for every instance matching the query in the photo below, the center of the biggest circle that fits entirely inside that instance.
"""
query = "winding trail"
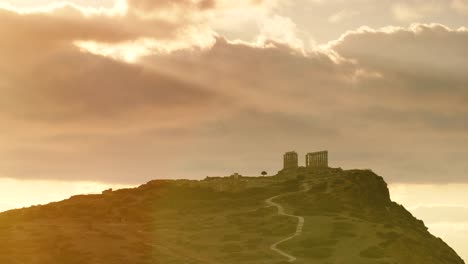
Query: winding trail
(281, 211)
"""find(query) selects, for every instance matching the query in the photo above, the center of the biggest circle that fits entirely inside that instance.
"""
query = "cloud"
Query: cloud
(153, 25)
(97, 113)
(131, 29)
(150, 5)
(67, 24)
(317, 93)
(422, 86)
(415, 10)
(422, 68)
(461, 6)
(75, 111)
(280, 29)
(63, 101)
(92, 113)
(421, 51)
(342, 15)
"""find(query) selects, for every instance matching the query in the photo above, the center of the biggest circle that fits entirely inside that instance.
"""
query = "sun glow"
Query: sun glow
(132, 51)
(23, 193)
(435, 198)
(119, 8)
(128, 51)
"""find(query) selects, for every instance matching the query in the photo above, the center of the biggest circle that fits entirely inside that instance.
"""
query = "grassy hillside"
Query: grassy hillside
(349, 218)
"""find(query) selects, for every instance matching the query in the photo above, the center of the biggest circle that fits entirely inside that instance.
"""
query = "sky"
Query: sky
(116, 93)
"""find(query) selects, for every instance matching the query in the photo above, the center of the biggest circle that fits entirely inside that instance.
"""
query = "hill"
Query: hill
(300, 215)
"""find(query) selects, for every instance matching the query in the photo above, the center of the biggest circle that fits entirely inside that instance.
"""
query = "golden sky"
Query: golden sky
(121, 92)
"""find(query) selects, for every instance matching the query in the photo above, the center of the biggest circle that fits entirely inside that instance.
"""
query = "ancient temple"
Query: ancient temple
(317, 159)
(290, 160)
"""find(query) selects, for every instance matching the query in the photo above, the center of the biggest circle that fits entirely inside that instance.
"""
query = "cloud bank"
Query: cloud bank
(393, 99)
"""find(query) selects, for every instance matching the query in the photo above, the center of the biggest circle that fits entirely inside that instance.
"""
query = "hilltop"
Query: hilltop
(348, 217)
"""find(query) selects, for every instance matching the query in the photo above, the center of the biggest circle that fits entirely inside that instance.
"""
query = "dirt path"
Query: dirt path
(281, 211)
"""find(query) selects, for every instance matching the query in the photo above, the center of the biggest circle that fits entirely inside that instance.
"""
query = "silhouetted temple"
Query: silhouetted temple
(290, 160)
(317, 159)
(313, 160)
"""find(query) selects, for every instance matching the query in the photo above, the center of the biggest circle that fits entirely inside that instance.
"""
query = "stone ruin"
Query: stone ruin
(317, 159)
(290, 160)
(313, 160)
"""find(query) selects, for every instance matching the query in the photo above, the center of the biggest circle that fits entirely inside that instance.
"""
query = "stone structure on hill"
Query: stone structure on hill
(236, 176)
(312, 160)
(317, 159)
(290, 160)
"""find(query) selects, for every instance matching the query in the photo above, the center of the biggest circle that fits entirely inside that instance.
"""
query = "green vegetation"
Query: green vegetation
(315, 253)
(372, 252)
(343, 229)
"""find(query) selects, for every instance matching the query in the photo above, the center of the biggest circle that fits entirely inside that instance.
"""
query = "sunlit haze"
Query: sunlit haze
(100, 94)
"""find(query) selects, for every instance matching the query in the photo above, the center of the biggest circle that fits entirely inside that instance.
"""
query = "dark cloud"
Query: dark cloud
(64, 25)
(422, 68)
(162, 20)
(90, 86)
(274, 76)
(430, 51)
(68, 114)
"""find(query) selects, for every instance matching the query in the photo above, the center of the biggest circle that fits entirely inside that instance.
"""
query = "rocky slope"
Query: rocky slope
(349, 218)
